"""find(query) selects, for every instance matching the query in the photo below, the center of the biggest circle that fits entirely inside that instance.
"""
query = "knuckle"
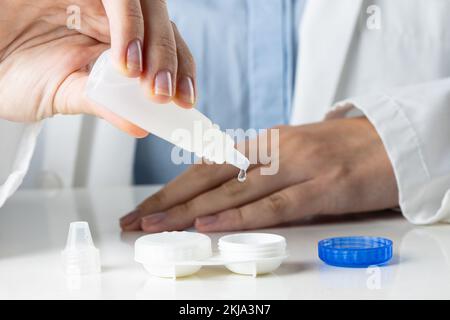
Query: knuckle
(312, 146)
(134, 13)
(186, 208)
(166, 44)
(347, 186)
(232, 188)
(197, 171)
(134, 19)
(276, 204)
(157, 201)
(345, 179)
(317, 150)
(340, 173)
(186, 58)
(299, 138)
(239, 220)
(162, 3)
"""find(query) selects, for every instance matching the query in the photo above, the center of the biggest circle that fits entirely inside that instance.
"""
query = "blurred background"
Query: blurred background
(245, 53)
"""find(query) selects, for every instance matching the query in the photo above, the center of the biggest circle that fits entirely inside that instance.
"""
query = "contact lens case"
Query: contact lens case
(180, 254)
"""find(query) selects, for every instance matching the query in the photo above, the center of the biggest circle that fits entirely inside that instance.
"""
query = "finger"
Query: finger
(70, 99)
(194, 181)
(230, 194)
(287, 205)
(160, 52)
(126, 24)
(185, 95)
(171, 220)
(227, 195)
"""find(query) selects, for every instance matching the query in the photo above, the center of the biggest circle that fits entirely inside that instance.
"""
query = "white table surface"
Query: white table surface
(34, 225)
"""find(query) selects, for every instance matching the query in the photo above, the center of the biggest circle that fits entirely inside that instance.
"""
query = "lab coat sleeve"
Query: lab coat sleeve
(21, 162)
(414, 125)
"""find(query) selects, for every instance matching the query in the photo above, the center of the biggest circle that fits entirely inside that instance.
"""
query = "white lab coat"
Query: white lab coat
(399, 76)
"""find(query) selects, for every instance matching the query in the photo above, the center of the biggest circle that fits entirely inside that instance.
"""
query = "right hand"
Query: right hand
(44, 65)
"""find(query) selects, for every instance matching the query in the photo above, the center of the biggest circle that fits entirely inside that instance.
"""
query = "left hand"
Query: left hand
(332, 167)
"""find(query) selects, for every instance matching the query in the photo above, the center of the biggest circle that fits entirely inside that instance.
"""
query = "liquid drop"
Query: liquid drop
(242, 176)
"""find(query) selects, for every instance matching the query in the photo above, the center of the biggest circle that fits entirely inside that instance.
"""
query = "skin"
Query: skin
(44, 65)
(328, 168)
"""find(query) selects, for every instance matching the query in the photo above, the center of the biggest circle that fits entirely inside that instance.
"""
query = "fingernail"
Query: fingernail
(154, 218)
(130, 217)
(163, 84)
(204, 221)
(185, 90)
(134, 57)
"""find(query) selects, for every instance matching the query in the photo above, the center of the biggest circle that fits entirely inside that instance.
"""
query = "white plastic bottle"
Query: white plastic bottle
(125, 97)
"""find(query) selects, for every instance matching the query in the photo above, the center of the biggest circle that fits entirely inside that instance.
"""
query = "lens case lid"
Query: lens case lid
(355, 252)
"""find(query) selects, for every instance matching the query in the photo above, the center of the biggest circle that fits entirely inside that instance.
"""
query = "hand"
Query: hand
(332, 167)
(44, 65)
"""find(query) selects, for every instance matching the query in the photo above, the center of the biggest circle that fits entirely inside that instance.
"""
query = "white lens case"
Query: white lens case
(180, 254)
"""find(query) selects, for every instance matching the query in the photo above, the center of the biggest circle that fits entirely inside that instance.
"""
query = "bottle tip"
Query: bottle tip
(79, 235)
(239, 160)
(80, 255)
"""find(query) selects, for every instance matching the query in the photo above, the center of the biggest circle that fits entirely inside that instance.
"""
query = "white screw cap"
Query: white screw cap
(80, 255)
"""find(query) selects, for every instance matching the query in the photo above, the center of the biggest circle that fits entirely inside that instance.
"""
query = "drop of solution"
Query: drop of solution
(242, 175)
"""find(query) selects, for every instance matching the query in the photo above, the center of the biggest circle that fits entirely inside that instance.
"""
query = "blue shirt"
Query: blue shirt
(245, 52)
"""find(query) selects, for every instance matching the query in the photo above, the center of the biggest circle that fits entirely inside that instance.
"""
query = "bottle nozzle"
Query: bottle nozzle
(80, 255)
(238, 160)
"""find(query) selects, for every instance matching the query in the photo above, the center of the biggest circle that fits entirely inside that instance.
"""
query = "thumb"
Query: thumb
(126, 24)
(71, 99)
